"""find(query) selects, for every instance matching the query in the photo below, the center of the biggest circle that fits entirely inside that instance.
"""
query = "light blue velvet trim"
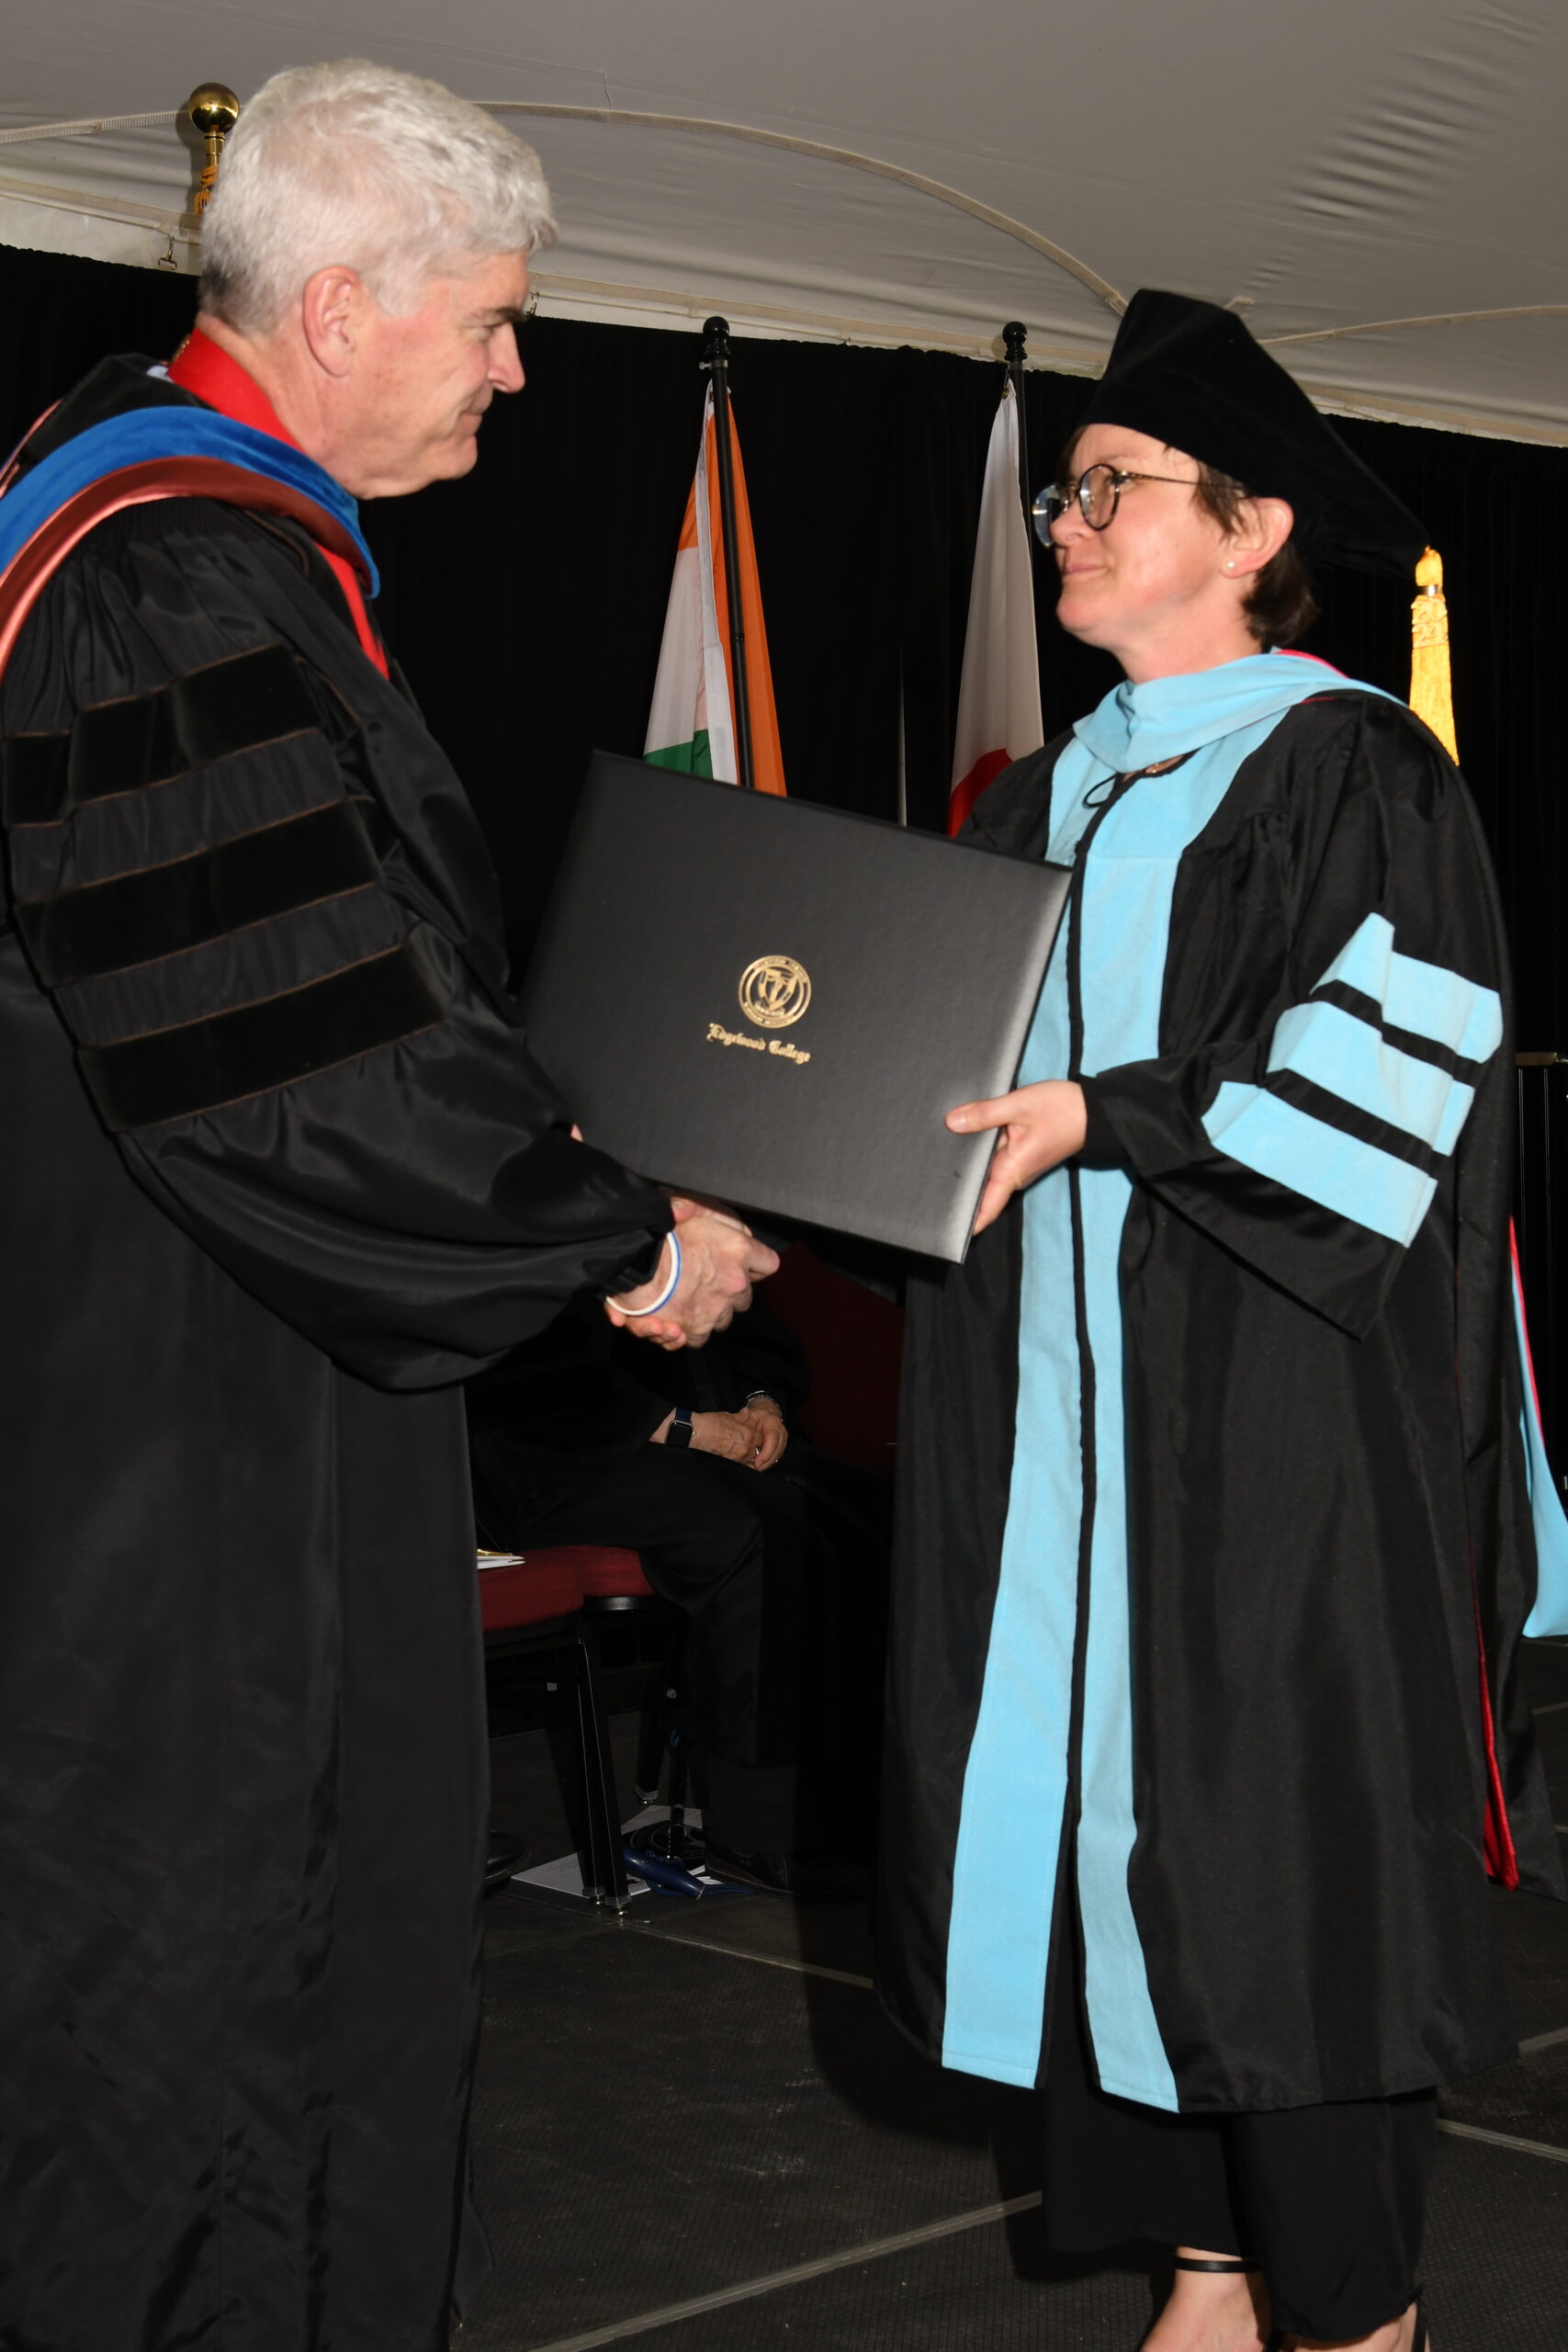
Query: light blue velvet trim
(1349, 1057)
(1352, 1179)
(168, 431)
(1425, 999)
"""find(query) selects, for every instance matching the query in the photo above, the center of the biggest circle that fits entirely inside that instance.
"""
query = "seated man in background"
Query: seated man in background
(777, 1553)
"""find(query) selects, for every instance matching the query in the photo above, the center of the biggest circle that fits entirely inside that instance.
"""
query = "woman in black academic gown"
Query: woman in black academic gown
(1197, 1772)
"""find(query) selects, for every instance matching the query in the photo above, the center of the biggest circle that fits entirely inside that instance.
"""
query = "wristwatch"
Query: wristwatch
(680, 1430)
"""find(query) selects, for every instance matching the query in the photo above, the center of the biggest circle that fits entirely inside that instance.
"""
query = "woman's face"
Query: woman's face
(1153, 588)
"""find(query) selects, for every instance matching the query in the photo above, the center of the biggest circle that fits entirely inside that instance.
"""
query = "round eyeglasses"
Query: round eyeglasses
(1096, 493)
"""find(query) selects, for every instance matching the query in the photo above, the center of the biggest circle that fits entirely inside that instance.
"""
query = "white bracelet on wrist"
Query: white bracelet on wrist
(666, 1295)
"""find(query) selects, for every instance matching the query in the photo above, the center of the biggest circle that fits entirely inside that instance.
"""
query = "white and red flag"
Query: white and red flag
(691, 723)
(998, 695)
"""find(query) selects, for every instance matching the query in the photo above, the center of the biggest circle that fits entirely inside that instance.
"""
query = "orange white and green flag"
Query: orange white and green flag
(691, 723)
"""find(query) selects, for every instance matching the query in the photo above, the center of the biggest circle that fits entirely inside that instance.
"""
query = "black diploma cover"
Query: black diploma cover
(776, 1004)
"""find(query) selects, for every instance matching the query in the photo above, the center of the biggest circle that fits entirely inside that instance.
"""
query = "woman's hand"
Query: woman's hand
(1040, 1126)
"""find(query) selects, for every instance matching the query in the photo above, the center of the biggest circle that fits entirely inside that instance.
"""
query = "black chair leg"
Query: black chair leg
(677, 1840)
(658, 1716)
(604, 1875)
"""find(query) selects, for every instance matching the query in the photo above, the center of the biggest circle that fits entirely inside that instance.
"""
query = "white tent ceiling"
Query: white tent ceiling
(1380, 185)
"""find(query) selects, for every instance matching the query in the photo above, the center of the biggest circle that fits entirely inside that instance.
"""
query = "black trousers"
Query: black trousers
(780, 1574)
(1329, 2201)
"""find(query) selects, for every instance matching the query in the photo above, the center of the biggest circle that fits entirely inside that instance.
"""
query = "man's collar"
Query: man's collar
(205, 368)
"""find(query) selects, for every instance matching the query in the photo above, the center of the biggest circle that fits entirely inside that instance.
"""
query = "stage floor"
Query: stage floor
(694, 2125)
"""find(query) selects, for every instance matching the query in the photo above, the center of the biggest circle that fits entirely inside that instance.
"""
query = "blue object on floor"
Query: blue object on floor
(672, 1878)
(664, 1878)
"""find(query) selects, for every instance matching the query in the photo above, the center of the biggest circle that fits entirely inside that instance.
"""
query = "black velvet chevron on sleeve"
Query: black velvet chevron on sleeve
(204, 1065)
(134, 919)
(262, 696)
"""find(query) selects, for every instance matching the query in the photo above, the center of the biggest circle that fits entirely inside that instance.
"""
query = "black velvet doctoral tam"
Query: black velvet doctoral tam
(1190, 373)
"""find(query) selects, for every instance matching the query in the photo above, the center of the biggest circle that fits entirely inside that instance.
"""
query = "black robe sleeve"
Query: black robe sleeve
(238, 864)
(1312, 1141)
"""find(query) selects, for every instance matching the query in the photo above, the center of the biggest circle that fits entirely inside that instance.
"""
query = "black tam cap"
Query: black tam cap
(1188, 374)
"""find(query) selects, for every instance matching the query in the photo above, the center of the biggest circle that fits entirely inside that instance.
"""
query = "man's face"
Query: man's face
(421, 383)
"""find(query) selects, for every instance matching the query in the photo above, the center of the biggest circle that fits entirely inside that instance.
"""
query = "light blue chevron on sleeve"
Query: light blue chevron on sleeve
(1423, 998)
(1352, 1179)
(1351, 1058)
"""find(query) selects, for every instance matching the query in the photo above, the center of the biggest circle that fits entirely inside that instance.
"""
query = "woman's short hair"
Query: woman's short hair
(360, 164)
(1279, 606)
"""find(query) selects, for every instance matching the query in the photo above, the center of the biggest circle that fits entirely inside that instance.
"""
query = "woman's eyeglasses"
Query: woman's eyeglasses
(1096, 493)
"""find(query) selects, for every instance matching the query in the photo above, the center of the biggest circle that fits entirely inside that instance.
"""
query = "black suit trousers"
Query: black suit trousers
(782, 1575)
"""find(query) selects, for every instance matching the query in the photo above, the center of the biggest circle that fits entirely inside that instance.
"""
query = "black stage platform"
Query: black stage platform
(694, 2126)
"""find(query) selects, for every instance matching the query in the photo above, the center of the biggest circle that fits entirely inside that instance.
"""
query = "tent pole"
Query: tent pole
(716, 360)
(1014, 336)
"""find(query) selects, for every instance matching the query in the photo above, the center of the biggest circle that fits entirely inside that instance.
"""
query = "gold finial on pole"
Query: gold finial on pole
(213, 110)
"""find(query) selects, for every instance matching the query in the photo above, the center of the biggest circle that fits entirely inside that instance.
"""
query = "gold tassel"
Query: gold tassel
(1431, 691)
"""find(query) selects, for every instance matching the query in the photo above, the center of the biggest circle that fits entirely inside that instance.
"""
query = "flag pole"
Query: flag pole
(716, 360)
(1015, 334)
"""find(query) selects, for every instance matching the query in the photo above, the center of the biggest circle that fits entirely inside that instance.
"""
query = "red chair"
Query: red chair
(611, 1577)
(519, 1596)
(531, 1612)
(547, 1608)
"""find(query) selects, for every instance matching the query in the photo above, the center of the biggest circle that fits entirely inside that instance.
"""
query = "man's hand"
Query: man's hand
(768, 1435)
(687, 1204)
(1040, 1126)
(720, 1262)
(729, 1435)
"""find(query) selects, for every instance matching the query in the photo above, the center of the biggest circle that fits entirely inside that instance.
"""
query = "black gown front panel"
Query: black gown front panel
(1308, 1878)
(239, 1840)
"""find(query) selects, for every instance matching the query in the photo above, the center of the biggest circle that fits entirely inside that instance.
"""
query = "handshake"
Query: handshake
(710, 1261)
(706, 1271)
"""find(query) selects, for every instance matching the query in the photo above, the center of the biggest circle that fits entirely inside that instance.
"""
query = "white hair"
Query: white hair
(379, 171)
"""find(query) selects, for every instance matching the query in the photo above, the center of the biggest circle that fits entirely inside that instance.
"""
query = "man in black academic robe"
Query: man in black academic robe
(279, 1173)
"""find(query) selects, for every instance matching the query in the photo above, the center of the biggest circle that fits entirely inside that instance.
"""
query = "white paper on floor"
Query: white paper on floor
(565, 1876)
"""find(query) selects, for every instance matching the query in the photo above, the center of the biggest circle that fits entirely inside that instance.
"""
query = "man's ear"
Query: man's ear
(1262, 529)
(331, 310)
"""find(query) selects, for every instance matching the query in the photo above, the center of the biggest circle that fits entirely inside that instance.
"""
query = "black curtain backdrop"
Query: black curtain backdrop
(527, 603)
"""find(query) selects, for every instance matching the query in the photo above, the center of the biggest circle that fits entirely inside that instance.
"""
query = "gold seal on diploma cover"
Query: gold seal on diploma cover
(775, 990)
